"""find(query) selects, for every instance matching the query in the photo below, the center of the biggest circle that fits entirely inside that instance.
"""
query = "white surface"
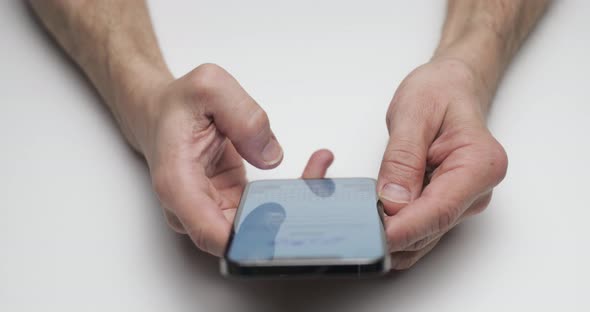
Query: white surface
(81, 230)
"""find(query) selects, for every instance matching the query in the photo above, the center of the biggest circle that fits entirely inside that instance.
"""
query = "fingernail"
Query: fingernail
(395, 193)
(272, 152)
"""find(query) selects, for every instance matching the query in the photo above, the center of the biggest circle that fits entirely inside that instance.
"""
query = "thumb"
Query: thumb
(236, 115)
(402, 170)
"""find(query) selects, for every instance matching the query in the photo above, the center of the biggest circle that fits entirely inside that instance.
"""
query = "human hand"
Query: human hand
(441, 162)
(200, 127)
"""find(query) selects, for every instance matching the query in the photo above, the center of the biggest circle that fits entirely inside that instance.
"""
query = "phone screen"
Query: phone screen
(308, 219)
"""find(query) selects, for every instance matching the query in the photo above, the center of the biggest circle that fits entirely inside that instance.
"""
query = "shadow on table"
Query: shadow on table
(396, 289)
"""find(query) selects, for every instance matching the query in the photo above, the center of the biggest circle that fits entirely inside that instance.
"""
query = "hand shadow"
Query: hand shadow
(396, 289)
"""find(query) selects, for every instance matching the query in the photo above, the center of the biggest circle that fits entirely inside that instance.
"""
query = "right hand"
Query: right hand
(200, 127)
(441, 162)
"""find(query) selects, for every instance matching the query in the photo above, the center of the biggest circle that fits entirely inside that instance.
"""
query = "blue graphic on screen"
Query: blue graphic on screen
(256, 236)
(320, 218)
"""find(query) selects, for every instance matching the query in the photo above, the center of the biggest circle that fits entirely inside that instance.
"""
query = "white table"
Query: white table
(81, 230)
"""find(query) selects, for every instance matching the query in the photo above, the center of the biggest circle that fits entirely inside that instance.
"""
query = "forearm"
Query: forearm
(114, 44)
(485, 35)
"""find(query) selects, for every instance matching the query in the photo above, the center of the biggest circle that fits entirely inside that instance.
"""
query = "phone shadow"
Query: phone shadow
(398, 288)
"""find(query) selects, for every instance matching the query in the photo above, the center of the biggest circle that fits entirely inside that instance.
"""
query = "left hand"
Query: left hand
(195, 133)
(441, 161)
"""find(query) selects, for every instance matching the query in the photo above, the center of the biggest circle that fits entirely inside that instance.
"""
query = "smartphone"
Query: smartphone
(307, 227)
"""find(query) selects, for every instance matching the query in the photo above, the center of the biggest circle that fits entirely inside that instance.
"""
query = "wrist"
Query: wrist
(483, 51)
(135, 89)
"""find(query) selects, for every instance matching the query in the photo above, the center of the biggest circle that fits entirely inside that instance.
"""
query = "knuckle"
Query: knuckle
(205, 79)
(405, 158)
(209, 71)
(498, 164)
(389, 115)
(447, 215)
(399, 239)
(478, 208)
(256, 122)
(197, 235)
(480, 205)
(419, 244)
